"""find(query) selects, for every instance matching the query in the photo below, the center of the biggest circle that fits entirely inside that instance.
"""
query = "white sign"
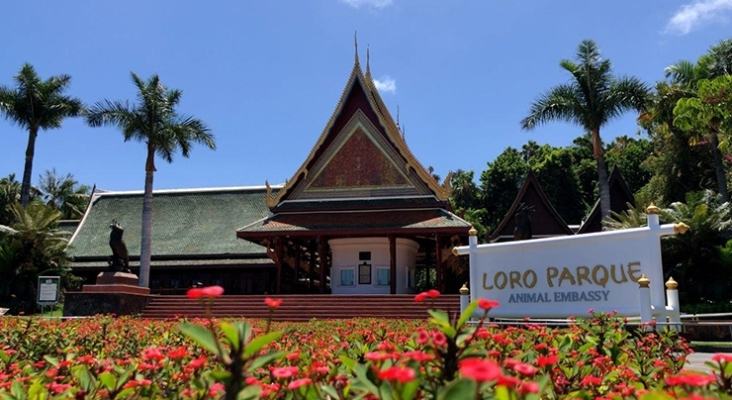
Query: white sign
(48, 289)
(568, 276)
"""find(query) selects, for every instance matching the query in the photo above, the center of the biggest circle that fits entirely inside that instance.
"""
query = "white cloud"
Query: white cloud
(385, 85)
(691, 16)
(368, 3)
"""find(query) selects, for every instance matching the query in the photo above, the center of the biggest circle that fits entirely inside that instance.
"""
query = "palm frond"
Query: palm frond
(561, 103)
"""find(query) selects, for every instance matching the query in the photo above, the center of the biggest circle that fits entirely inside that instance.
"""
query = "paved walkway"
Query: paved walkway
(695, 361)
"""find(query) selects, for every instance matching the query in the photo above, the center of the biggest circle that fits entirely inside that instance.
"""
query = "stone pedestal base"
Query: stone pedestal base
(84, 304)
(116, 282)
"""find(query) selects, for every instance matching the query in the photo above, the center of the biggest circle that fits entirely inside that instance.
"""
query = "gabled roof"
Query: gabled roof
(360, 153)
(620, 196)
(187, 224)
(361, 223)
(545, 221)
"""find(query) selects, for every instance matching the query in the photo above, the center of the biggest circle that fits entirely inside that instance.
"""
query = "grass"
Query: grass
(56, 312)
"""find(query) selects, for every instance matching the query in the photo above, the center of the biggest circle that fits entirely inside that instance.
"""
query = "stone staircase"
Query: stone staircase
(303, 307)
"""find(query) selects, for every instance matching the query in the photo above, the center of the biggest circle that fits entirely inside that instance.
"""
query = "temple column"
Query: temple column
(438, 263)
(392, 264)
(298, 255)
(280, 252)
(311, 272)
(323, 254)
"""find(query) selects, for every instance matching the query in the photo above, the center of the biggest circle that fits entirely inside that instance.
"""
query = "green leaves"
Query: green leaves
(202, 336)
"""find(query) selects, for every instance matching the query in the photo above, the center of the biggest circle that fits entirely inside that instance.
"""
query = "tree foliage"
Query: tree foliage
(35, 104)
(32, 246)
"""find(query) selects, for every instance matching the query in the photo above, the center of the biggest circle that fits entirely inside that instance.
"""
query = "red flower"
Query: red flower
(285, 372)
(420, 297)
(591, 381)
(399, 374)
(485, 304)
(433, 293)
(528, 387)
(272, 303)
(480, 370)
(722, 357)
(299, 382)
(542, 361)
(525, 369)
(209, 292)
(690, 380)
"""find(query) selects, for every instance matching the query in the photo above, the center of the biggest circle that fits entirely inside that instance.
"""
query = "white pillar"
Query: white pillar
(655, 272)
(672, 303)
(464, 298)
(472, 261)
(645, 301)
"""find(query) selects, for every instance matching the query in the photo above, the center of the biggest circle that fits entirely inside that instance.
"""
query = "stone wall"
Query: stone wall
(83, 304)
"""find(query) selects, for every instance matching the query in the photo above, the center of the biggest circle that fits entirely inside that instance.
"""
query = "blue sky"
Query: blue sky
(266, 75)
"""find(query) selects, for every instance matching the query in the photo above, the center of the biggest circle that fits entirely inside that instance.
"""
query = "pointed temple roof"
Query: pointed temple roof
(620, 196)
(545, 219)
(359, 176)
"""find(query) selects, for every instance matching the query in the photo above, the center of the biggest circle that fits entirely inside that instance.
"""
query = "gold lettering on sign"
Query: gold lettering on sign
(602, 281)
(635, 274)
(515, 278)
(485, 276)
(599, 275)
(530, 273)
(500, 275)
(583, 273)
(566, 275)
(623, 278)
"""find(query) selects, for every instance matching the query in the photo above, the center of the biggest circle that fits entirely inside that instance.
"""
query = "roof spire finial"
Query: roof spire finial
(355, 45)
(368, 59)
(397, 121)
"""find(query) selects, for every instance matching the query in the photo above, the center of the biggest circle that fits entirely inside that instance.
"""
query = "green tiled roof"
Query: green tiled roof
(180, 263)
(68, 225)
(384, 220)
(185, 222)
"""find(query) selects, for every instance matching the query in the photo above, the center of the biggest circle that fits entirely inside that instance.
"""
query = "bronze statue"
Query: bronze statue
(120, 260)
(523, 222)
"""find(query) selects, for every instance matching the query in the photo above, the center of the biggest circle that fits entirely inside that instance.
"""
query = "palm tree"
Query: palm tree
(35, 104)
(715, 63)
(64, 193)
(591, 99)
(31, 246)
(155, 122)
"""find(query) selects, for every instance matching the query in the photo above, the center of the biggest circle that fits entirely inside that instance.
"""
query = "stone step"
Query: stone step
(302, 307)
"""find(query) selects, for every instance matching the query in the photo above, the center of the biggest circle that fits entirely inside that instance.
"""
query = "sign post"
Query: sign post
(48, 291)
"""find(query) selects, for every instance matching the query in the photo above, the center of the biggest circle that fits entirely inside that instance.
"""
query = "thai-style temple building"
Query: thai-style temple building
(360, 216)
(533, 214)
(531, 203)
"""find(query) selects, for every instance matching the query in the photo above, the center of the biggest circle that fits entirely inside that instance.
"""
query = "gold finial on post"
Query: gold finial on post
(473, 231)
(671, 283)
(652, 209)
(643, 281)
(681, 228)
(455, 252)
(464, 290)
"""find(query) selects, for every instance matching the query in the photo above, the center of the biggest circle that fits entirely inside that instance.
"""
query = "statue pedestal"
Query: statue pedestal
(116, 282)
(114, 293)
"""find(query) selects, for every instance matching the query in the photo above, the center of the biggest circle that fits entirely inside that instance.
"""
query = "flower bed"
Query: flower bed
(106, 357)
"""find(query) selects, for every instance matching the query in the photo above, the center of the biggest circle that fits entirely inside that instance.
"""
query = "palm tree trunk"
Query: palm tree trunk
(601, 173)
(147, 220)
(604, 186)
(719, 168)
(28, 170)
